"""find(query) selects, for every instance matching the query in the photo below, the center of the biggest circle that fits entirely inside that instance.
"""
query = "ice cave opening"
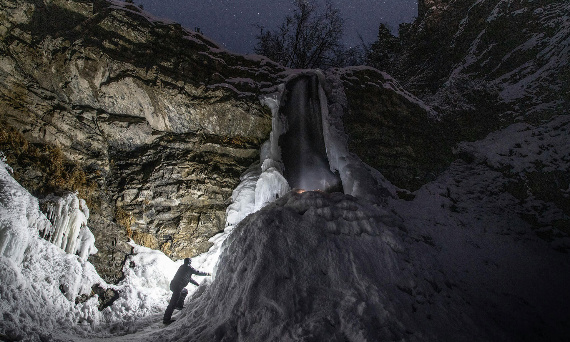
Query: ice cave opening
(303, 149)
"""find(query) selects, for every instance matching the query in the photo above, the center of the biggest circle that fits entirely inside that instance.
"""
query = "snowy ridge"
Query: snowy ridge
(131, 8)
(525, 148)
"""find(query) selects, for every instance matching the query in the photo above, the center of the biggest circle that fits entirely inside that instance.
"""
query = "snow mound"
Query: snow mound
(326, 267)
(41, 287)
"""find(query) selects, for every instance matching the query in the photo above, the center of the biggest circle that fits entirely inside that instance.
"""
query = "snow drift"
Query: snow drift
(330, 267)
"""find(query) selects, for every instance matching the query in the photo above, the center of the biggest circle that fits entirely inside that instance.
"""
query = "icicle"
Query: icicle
(86, 243)
(69, 215)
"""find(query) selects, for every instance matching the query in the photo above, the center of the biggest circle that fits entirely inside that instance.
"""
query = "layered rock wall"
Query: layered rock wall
(159, 120)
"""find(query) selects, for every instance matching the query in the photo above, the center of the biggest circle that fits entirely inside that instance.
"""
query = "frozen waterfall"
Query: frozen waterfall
(69, 215)
(307, 149)
(304, 154)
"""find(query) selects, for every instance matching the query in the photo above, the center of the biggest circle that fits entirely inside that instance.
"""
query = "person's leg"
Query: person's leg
(180, 304)
(170, 307)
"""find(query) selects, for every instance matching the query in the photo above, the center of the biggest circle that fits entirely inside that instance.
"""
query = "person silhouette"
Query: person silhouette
(182, 277)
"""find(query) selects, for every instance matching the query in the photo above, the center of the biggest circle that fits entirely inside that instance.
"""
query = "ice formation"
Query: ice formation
(307, 149)
(17, 209)
(69, 215)
(302, 144)
(67, 229)
(39, 282)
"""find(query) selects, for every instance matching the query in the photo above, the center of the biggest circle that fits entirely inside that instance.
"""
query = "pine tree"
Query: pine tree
(383, 51)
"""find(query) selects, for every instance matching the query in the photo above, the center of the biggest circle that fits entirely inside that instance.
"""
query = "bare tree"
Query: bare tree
(307, 39)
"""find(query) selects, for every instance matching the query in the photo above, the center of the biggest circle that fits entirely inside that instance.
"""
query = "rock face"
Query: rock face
(506, 57)
(496, 66)
(158, 121)
(496, 72)
(390, 129)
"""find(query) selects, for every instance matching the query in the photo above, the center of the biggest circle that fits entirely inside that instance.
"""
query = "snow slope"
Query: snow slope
(330, 267)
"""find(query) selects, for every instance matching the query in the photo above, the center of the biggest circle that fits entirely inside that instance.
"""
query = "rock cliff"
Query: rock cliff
(504, 57)
(503, 66)
(151, 123)
(484, 67)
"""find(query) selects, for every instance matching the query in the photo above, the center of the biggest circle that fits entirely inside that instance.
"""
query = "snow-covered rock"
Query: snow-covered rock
(510, 57)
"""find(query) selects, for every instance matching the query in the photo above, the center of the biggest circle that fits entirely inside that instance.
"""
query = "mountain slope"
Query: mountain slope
(505, 56)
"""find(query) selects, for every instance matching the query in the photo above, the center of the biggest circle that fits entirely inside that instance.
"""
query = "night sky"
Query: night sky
(231, 23)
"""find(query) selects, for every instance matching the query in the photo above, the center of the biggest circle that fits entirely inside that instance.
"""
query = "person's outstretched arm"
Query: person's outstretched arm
(196, 272)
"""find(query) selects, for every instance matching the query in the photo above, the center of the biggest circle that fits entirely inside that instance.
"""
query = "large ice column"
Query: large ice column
(358, 179)
(271, 184)
(69, 215)
(304, 154)
(295, 156)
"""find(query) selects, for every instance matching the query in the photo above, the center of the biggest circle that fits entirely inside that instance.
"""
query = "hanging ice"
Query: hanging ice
(69, 215)
(303, 146)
